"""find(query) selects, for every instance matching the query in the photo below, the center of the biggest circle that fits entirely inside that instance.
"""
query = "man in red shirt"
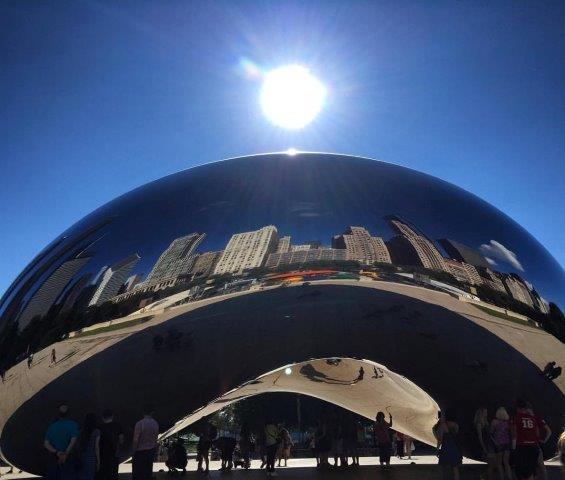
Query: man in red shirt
(527, 431)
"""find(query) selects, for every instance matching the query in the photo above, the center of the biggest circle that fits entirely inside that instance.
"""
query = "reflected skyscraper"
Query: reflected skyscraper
(247, 250)
(47, 294)
(177, 259)
(205, 263)
(113, 278)
(283, 245)
(361, 246)
(518, 289)
(412, 248)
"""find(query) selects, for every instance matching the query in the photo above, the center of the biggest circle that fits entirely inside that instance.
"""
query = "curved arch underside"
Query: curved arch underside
(361, 386)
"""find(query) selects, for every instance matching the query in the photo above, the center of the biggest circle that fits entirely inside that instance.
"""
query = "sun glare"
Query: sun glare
(291, 97)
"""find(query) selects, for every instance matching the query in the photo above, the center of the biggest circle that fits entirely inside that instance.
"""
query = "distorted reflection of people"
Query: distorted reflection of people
(383, 439)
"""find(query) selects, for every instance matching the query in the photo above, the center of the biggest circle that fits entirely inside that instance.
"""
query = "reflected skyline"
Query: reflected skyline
(305, 247)
(292, 212)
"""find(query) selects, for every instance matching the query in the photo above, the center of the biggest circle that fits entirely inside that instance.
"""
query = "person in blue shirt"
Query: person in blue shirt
(60, 439)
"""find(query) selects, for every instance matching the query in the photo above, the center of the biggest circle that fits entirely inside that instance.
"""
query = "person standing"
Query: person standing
(383, 438)
(446, 432)
(500, 433)
(272, 440)
(111, 440)
(60, 439)
(53, 357)
(284, 446)
(88, 448)
(527, 430)
(245, 446)
(482, 429)
(399, 444)
(144, 446)
(408, 446)
(261, 447)
(208, 434)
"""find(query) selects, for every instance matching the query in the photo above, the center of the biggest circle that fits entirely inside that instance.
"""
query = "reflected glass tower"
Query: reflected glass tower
(365, 284)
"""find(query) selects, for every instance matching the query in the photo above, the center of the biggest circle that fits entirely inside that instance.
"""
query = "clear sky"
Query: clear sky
(100, 97)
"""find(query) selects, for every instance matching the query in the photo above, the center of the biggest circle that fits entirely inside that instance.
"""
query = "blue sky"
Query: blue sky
(101, 97)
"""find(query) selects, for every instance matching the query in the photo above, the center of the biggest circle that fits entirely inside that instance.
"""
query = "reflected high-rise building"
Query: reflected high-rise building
(177, 259)
(491, 280)
(299, 257)
(463, 253)
(518, 289)
(539, 302)
(464, 272)
(361, 246)
(132, 281)
(75, 291)
(204, 264)
(247, 250)
(42, 300)
(411, 247)
(283, 245)
(113, 278)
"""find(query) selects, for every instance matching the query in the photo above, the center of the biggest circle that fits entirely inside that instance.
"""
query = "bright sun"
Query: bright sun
(291, 97)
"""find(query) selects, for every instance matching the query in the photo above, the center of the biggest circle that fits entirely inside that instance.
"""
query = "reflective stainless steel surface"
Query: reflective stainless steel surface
(200, 288)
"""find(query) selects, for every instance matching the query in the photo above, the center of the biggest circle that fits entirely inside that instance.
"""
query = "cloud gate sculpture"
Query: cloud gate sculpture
(362, 283)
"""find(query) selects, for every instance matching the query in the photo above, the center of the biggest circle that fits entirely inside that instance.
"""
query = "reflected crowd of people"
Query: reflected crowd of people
(508, 439)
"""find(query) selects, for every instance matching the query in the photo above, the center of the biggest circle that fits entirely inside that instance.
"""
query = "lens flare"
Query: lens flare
(291, 97)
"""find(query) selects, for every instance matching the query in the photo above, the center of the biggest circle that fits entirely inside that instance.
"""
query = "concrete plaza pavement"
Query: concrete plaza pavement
(419, 467)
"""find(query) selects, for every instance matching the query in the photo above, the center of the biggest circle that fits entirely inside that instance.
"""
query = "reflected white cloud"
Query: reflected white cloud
(495, 250)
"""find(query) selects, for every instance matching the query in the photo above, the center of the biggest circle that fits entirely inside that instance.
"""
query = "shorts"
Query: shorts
(526, 458)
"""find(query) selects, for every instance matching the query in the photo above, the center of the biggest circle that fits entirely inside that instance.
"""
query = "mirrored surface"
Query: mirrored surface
(223, 272)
